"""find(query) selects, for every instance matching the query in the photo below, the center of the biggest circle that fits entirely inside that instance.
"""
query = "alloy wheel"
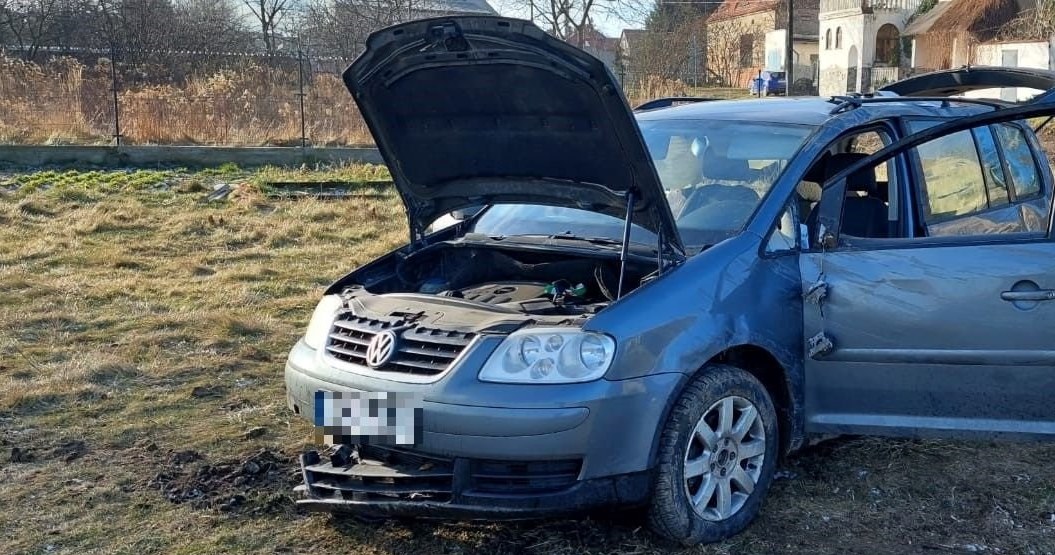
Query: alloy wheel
(724, 457)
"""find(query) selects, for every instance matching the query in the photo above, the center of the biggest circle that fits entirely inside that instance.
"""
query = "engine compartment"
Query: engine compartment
(509, 280)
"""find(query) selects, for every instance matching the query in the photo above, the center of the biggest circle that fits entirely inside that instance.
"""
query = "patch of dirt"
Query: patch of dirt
(26, 450)
(21, 455)
(70, 450)
(208, 392)
(258, 484)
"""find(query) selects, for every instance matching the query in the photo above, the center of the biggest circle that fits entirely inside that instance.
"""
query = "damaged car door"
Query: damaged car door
(945, 329)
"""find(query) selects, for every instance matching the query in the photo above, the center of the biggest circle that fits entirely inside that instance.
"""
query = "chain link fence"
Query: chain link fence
(211, 98)
(178, 98)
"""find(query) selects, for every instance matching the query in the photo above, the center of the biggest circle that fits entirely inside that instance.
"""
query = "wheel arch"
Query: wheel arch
(761, 364)
(774, 376)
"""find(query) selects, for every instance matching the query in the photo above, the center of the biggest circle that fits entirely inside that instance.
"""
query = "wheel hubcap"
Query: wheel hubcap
(724, 457)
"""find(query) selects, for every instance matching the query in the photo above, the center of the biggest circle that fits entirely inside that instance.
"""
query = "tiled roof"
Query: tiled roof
(736, 8)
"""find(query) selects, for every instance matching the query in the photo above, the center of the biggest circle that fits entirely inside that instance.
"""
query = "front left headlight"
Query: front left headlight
(321, 321)
(549, 356)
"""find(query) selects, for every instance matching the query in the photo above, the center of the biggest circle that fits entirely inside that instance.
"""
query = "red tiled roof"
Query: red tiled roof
(736, 8)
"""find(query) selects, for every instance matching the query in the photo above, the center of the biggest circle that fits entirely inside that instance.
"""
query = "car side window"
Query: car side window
(968, 183)
(995, 179)
(871, 201)
(1020, 162)
(952, 183)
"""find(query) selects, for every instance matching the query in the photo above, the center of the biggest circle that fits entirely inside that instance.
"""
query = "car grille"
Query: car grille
(385, 473)
(421, 351)
(531, 477)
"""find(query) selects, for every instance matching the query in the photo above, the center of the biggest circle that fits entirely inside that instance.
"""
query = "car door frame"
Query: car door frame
(830, 217)
(834, 189)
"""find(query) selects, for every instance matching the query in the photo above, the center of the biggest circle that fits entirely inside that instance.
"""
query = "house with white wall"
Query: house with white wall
(736, 35)
(1039, 54)
(805, 58)
(860, 43)
(955, 33)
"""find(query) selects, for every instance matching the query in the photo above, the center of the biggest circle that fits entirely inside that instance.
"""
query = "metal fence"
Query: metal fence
(209, 99)
(213, 98)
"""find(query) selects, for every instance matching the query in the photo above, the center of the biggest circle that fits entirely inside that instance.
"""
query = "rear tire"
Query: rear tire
(717, 455)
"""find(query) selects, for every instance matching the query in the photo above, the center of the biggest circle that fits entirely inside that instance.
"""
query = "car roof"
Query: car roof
(810, 110)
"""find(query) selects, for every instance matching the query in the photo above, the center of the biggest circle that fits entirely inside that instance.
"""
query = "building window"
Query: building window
(828, 39)
(747, 51)
(838, 38)
(888, 41)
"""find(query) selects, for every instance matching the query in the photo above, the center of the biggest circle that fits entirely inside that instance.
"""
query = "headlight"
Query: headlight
(321, 321)
(549, 355)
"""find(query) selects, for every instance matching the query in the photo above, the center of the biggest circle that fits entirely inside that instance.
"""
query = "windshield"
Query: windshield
(714, 172)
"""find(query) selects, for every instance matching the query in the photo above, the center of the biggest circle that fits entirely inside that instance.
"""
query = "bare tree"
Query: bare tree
(680, 53)
(734, 49)
(210, 26)
(28, 24)
(269, 15)
(571, 20)
(1038, 22)
(340, 27)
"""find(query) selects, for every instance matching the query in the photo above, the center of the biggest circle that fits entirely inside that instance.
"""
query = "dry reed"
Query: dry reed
(64, 101)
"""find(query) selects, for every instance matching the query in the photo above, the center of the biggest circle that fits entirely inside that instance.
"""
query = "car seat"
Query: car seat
(863, 216)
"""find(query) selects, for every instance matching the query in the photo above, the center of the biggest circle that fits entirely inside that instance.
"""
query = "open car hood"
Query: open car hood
(953, 82)
(476, 110)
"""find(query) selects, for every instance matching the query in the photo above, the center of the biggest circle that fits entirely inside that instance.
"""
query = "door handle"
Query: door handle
(1038, 295)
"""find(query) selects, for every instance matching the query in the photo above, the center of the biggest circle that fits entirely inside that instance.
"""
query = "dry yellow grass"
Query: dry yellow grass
(63, 101)
(148, 324)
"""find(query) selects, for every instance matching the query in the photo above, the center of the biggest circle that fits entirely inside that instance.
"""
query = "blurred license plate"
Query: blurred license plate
(361, 417)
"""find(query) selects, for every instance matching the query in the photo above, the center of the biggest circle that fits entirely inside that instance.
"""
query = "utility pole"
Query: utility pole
(789, 51)
(695, 61)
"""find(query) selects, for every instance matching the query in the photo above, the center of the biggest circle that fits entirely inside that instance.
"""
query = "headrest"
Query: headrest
(809, 190)
(863, 181)
(719, 168)
(679, 167)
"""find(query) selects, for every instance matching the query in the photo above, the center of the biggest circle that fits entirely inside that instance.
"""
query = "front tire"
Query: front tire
(716, 459)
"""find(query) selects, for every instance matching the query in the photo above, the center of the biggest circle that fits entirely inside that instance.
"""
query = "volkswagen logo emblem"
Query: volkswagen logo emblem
(381, 349)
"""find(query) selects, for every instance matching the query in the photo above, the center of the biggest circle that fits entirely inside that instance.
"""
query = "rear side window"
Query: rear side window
(996, 180)
(952, 177)
(1020, 162)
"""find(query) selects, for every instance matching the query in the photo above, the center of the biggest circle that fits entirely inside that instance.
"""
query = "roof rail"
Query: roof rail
(668, 101)
(854, 101)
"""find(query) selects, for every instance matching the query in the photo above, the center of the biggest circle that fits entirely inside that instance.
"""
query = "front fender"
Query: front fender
(725, 298)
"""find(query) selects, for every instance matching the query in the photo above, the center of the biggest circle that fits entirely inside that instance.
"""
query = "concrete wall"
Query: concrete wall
(19, 155)
(835, 61)
(1030, 54)
(775, 50)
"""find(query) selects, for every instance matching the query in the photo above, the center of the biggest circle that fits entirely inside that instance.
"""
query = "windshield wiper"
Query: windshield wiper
(596, 240)
(606, 241)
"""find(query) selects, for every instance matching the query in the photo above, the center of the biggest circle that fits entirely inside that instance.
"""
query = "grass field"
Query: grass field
(142, 337)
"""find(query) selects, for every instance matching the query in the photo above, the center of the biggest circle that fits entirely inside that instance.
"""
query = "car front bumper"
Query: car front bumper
(502, 450)
(459, 488)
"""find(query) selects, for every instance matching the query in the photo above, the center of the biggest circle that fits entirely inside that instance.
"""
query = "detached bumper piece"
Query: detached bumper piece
(380, 482)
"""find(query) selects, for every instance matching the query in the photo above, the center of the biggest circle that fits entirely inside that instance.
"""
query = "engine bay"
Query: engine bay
(506, 280)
